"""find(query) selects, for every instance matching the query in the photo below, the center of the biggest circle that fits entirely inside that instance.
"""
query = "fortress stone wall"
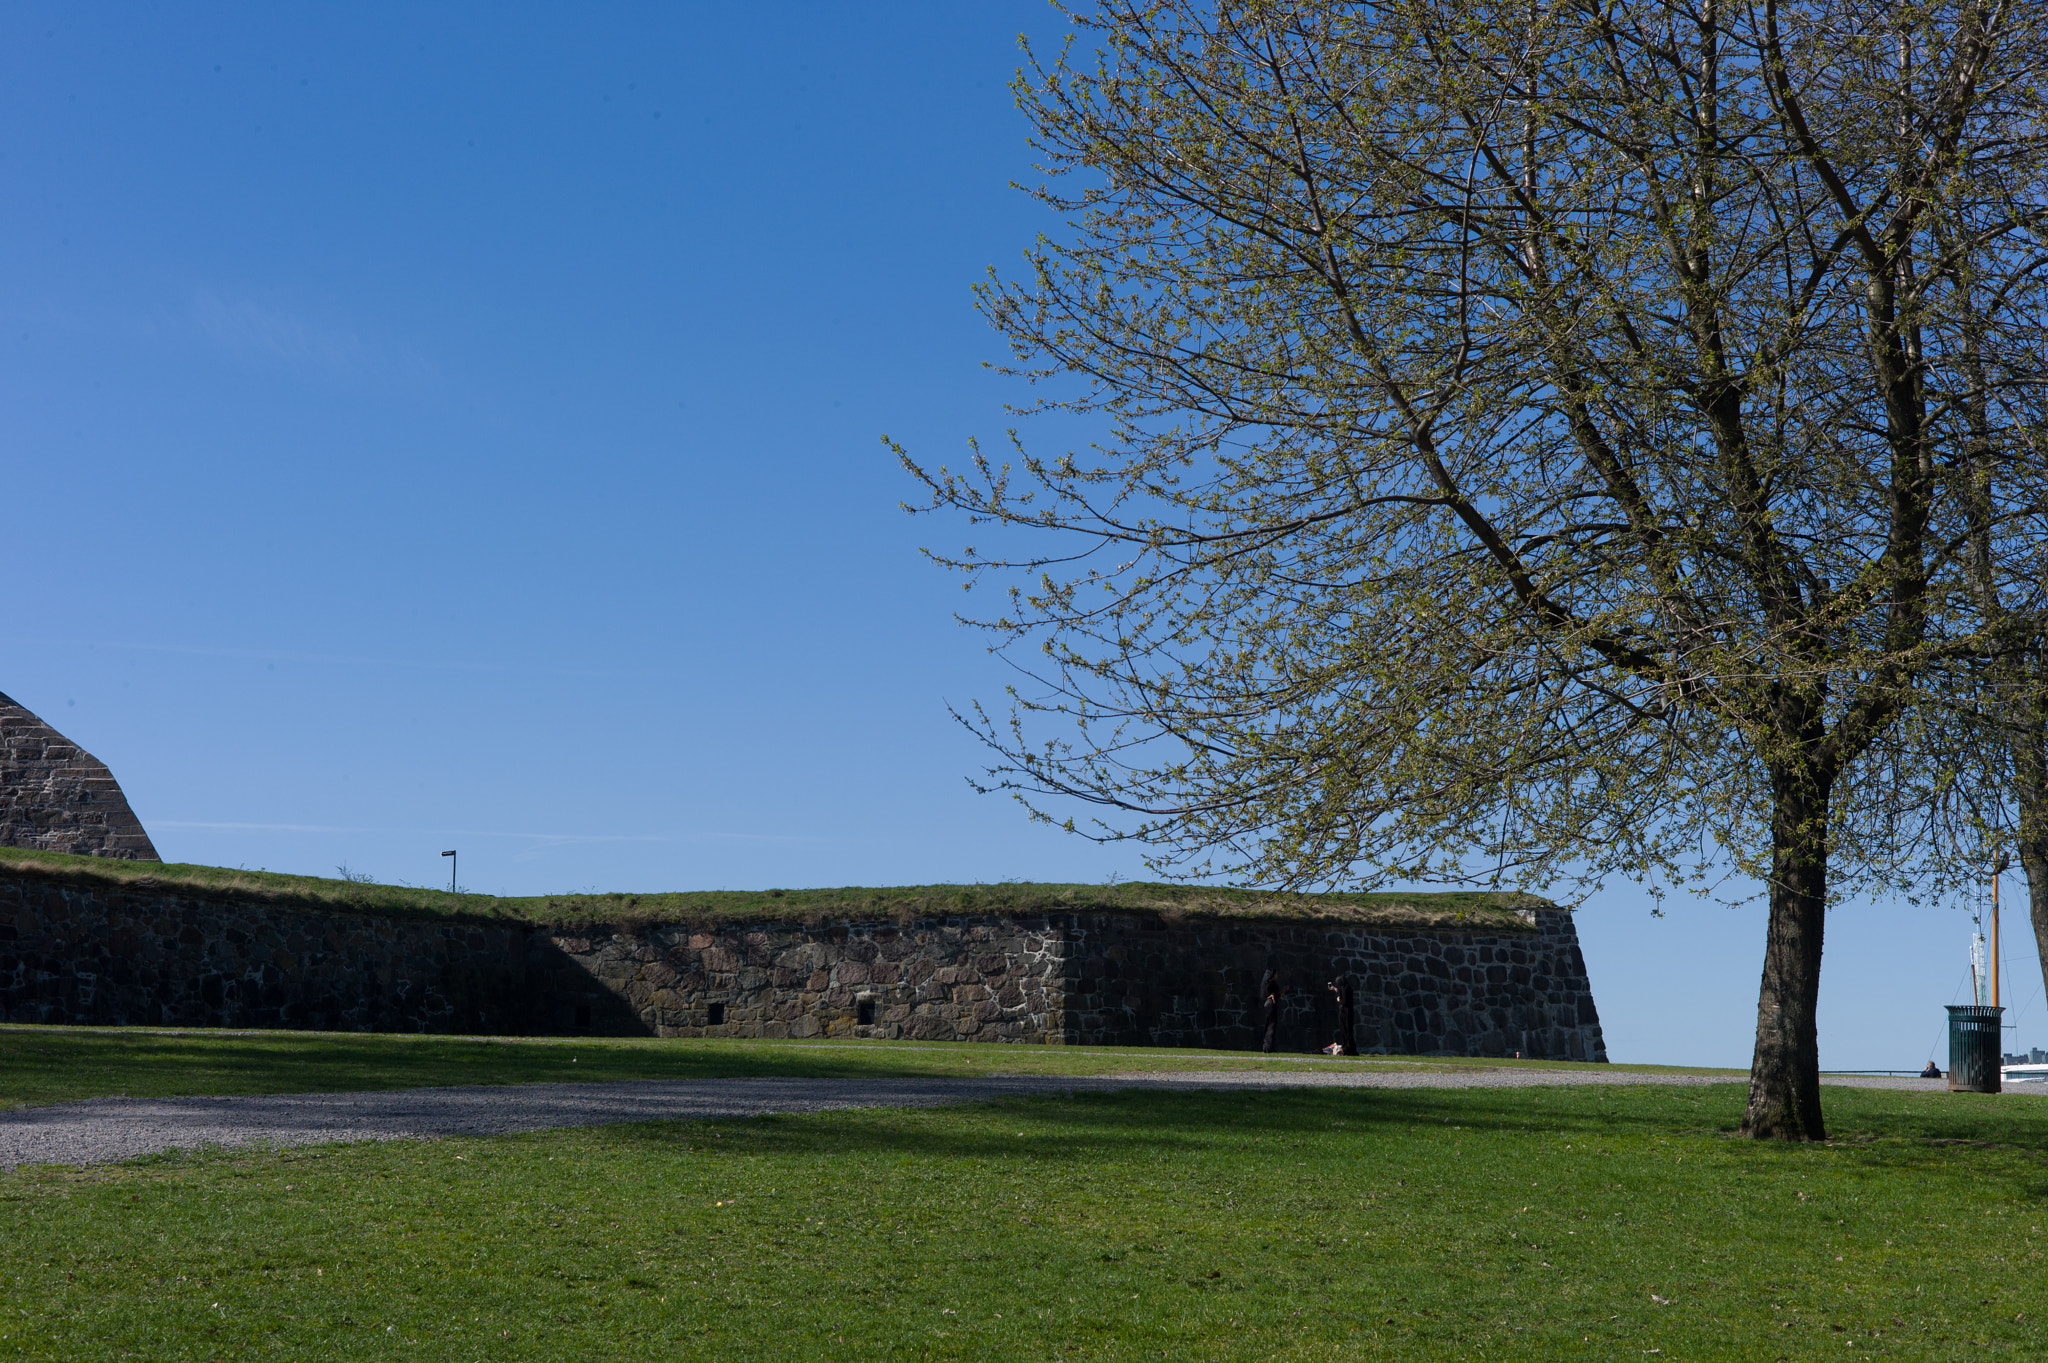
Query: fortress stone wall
(56, 796)
(105, 955)
(1111, 979)
(100, 953)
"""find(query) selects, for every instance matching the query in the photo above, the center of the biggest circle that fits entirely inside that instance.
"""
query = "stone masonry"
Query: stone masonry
(56, 796)
(80, 951)
(1110, 979)
(970, 978)
(1149, 982)
(138, 955)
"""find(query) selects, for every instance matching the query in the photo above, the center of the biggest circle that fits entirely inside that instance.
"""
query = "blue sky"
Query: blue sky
(459, 426)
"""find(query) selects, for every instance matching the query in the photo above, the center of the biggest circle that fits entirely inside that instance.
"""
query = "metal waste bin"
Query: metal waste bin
(1975, 1048)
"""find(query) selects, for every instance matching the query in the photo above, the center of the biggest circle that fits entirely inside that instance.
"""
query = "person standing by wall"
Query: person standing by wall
(1347, 1017)
(1269, 1002)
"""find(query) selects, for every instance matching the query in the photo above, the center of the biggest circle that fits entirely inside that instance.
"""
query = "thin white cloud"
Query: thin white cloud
(549, 839)
(259, 827)
(345, 660)
(259, 334)
(252, 332)
(248, 331)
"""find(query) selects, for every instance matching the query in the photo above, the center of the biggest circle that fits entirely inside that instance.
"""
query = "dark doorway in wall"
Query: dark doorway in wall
(582, 1017)
(714, 1015)
(864, 1012)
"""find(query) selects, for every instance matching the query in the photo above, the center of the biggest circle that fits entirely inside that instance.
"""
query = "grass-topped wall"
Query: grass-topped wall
(1469, 909)
(88, 941)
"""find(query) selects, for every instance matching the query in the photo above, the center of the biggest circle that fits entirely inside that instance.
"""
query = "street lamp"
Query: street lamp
(451, 872)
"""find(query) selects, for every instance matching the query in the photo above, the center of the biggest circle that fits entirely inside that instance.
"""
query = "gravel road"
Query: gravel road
(101, 1130)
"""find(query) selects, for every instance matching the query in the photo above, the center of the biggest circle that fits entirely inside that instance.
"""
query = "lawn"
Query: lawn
(1601, 1223)
(54, 1064)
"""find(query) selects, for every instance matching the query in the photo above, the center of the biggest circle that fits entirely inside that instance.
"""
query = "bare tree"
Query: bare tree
(1531, 442)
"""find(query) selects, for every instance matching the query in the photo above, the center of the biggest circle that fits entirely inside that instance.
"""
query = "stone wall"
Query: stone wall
(97, 955)
(100, 954)
(1111, 979)
(56, 796)
(1144, 982)
(969, 978)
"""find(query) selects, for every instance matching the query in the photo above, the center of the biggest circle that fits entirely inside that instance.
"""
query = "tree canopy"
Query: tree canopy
(1542, 439)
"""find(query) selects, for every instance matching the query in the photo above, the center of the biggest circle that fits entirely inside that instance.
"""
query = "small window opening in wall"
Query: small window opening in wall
(864, 1013)
(582, 1017)
(714, 1016)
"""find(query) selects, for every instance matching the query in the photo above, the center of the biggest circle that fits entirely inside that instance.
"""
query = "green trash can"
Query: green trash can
(1975, 1048)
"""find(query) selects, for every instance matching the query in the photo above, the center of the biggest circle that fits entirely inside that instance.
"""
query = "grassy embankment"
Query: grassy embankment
(1467, 909)
(1605, 1223)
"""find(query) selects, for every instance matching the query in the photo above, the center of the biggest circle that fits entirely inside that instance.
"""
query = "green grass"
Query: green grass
(1457, 909)
(58, 1064)
(1607, 1223)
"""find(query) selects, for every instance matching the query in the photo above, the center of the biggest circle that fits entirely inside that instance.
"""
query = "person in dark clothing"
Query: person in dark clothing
(1347, 1017)
(1270, 1005)
(1933, 1071)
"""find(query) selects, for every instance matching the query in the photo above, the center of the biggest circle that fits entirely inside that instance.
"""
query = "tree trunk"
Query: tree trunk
(1784, 1074)
(2034, 860)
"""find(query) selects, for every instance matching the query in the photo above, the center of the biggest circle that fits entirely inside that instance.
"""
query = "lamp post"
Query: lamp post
(451, 870)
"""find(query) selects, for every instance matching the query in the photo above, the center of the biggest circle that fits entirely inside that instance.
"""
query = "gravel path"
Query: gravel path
(101, 1130)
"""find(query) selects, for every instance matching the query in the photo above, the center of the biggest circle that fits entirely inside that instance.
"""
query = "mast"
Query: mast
(1997, 871)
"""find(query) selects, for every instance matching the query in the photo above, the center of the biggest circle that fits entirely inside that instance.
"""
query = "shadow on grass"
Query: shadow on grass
(1908, 1135)
(51, 1066)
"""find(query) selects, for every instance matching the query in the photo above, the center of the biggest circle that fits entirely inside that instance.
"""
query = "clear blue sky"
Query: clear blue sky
(458, 426)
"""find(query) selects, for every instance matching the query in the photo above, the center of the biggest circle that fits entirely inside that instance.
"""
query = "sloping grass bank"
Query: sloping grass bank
(1464, 909)
(1536, 1224)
